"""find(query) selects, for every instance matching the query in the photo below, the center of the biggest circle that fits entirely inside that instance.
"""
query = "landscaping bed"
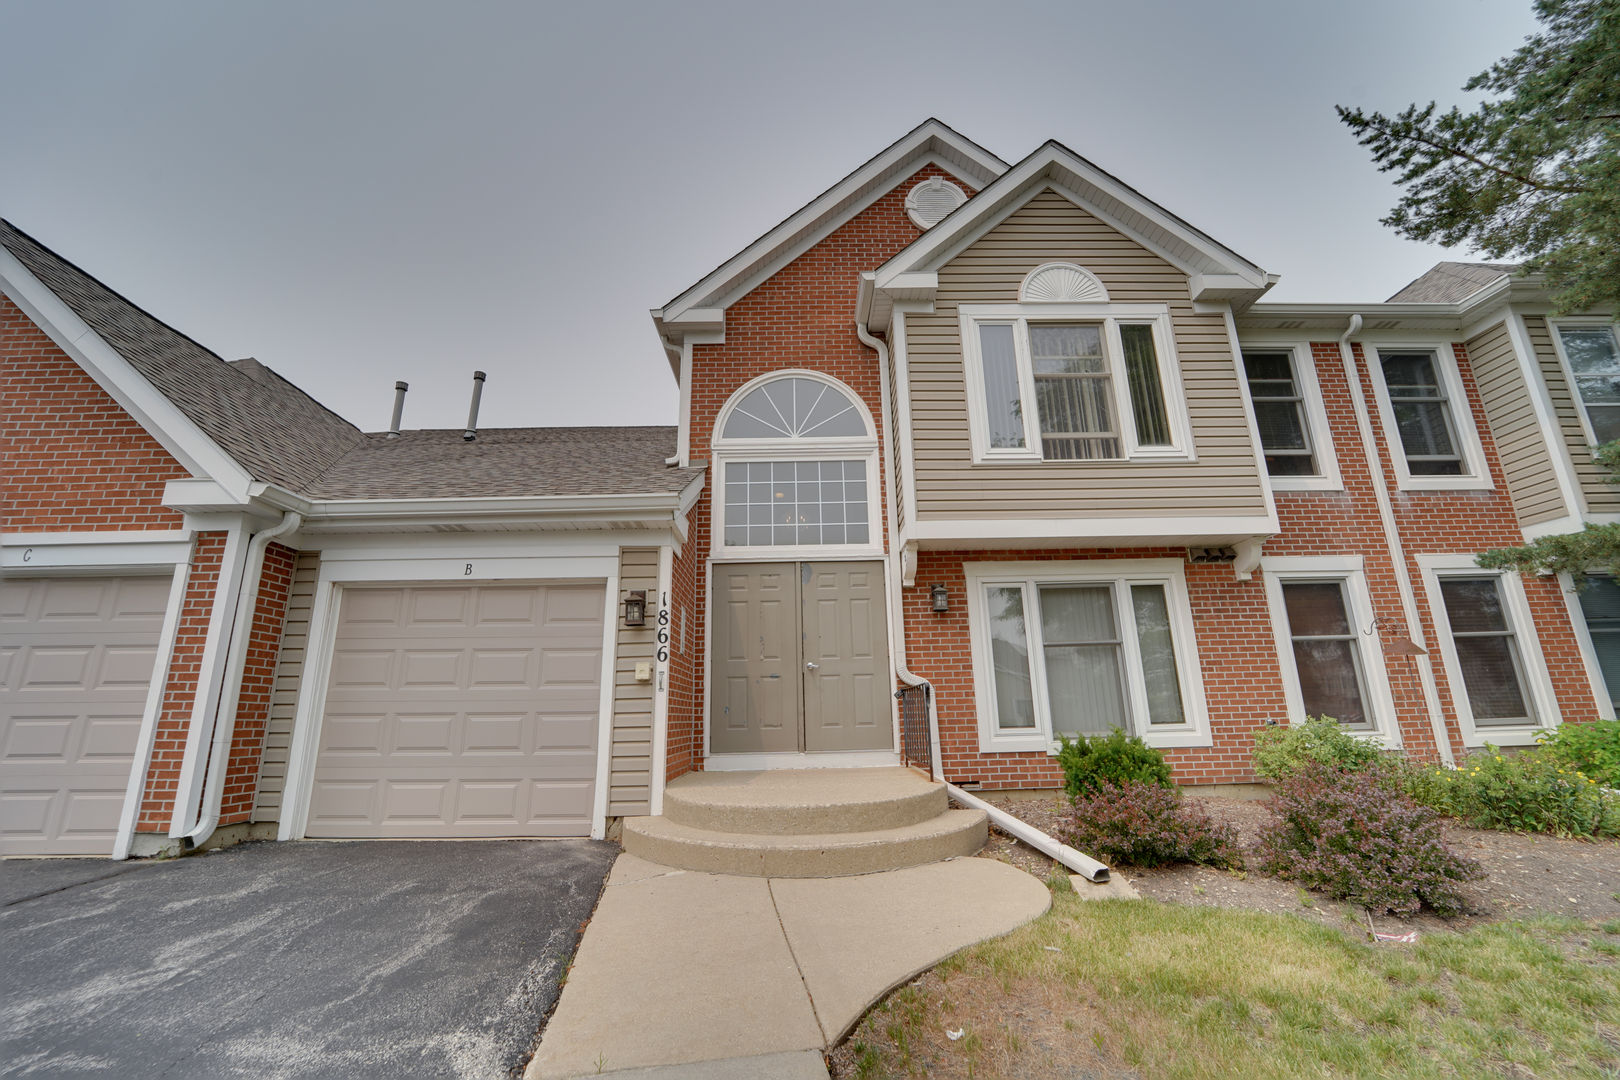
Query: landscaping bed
(1528, 874)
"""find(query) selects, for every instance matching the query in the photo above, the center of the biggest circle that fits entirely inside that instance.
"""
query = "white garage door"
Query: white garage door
(76, 657)
(460, 712)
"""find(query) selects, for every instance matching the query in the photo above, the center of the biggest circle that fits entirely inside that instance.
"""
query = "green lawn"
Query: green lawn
(1110, 987)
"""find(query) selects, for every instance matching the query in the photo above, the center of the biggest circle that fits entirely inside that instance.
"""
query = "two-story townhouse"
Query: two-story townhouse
(1014, 441)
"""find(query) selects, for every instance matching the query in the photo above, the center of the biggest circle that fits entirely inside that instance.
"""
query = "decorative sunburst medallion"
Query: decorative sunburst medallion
(1062, 283)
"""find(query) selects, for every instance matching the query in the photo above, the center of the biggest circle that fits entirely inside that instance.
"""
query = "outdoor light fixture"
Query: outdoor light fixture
(635, 608)
(942, 599)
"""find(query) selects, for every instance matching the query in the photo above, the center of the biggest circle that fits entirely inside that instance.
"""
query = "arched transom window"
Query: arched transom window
(796, 458)
(794, 408)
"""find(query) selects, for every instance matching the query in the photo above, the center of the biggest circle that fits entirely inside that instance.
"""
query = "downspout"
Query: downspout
(247, 599)
(896, 555)
(1397, 551)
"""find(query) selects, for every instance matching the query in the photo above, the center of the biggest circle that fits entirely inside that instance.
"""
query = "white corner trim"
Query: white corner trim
(159, 416)
(1538, 684)
(1551, 431)
(135, 790)
(660, 733)
(604, 707)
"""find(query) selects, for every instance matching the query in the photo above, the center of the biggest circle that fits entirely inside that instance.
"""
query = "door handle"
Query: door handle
(812, 667)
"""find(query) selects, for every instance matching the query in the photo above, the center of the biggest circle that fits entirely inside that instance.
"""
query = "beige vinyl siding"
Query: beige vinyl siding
(630, 768)
(1224, 481)
(284, 695)
(1520, 442)
(1601, 497)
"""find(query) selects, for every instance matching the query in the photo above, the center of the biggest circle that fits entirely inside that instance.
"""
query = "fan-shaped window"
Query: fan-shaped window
(794, 408)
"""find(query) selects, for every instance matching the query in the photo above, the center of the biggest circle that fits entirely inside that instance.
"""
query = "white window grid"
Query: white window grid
(1582, 323)
(1110, 317)
(1121, 574)
(1327, 476)
(1475, 475)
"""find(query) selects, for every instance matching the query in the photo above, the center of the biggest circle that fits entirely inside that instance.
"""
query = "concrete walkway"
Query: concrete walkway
(757, 977)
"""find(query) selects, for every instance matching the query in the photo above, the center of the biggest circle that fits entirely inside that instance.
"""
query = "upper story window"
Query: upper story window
(1279, 413)
(1424, 408)
(1068, 376)
(1593, 356)
(796, 464)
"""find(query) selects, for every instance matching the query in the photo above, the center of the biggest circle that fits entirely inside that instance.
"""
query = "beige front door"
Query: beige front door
(460, 712)
(76, 657)
(800, 658)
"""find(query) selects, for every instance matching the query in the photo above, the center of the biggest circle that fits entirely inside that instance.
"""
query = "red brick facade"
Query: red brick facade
(258, 681)
(74, 459)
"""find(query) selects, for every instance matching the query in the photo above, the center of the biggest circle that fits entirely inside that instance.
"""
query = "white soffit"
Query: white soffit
(930, 141)
(1059, 168)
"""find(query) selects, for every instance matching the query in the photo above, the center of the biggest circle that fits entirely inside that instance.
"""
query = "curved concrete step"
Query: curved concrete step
(660, 840)
(804, 801)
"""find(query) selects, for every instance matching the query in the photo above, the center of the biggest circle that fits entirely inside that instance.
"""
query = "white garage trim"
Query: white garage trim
(342, 565)
(604, 720)
(149, 717)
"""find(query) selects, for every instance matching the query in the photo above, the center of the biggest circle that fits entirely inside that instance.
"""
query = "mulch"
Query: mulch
(1527, 874)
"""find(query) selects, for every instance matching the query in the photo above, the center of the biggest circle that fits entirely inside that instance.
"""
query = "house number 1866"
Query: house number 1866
(663, 627)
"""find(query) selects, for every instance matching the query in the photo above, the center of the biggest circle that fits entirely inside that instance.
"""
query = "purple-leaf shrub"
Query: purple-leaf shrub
(1355, 837)
(1146, 825)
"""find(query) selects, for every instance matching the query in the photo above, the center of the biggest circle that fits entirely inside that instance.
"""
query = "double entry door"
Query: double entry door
(801, 658)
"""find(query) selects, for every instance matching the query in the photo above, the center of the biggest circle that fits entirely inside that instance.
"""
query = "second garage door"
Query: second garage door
(461, 712)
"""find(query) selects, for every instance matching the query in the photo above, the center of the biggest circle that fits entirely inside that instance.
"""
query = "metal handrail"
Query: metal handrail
(916, 748)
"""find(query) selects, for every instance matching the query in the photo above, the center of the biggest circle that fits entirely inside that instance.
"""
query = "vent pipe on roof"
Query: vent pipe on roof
(399, 408)
(472, 414)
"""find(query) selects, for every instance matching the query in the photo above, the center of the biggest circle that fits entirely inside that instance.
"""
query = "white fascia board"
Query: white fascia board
(187, 442)
(1138, 531)
(931, 141)
(1102, 195)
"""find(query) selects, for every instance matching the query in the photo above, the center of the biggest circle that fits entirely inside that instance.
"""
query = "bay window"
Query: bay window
(1073, 382)
(1083, 648)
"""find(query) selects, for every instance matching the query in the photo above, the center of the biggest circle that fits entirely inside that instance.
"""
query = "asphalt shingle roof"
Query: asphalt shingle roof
(507, 461)
(275, 431)
(1449, 282)
(283, 436)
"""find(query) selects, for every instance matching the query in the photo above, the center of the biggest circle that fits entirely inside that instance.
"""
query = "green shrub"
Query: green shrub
(1532, 791)
(1113, 759)
(1350, 835)
(1280, 752)
(1591, 749)
(1144, 824)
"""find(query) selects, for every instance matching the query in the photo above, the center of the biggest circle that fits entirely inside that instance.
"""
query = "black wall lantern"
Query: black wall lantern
(942, 599)
(635, 608)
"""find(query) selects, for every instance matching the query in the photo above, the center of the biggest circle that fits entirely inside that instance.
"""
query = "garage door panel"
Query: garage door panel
(51, 667)
(486, 692)
(126, 665)
(38, 739)
(91, 812)
(140, 599)
(111, 739)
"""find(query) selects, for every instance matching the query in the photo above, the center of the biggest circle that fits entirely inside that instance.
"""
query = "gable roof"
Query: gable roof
(434, 464)
(271, 428)
(1449, 282)
(701, 307)
(1216, 272)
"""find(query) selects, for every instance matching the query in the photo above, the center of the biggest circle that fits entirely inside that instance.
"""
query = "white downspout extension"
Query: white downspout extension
(1397, 550)
(896, 555)
(247, 600)
(1080, 863)
(660, 732)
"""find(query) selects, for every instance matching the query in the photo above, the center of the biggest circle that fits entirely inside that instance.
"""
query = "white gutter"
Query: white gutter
(1397, 551)
(897, 556)
(247, 601)
(1084, 865)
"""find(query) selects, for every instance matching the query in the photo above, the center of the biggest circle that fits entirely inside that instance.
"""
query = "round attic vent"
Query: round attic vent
(931, 200)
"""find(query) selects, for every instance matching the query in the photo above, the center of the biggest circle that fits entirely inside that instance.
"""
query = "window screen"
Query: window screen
(1422, 414)
(1486, 650)
(1009, 655)
(1327, 654)
(1595, 361)
(1004, 406)
(1279, 412)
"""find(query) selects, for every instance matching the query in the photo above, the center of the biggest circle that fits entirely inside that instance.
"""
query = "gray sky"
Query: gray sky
(356, 193)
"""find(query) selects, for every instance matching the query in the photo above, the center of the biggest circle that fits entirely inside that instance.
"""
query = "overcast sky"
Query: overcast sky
(356, 193)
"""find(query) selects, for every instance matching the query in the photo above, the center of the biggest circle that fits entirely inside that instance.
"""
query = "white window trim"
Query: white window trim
(1110, 315)
(1582, 321)
(843, 448)
(1543, 698)
(1327, 476)
(1279, 569)
(1170, 573)
(1478, 478)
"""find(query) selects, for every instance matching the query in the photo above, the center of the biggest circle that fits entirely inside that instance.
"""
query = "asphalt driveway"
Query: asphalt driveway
(291, 959)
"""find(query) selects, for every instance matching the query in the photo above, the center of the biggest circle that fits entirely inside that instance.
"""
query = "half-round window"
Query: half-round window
(795, 408)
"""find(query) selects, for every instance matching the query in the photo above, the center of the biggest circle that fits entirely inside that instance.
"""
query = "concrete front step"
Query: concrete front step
(804, 801)
(806, 855)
